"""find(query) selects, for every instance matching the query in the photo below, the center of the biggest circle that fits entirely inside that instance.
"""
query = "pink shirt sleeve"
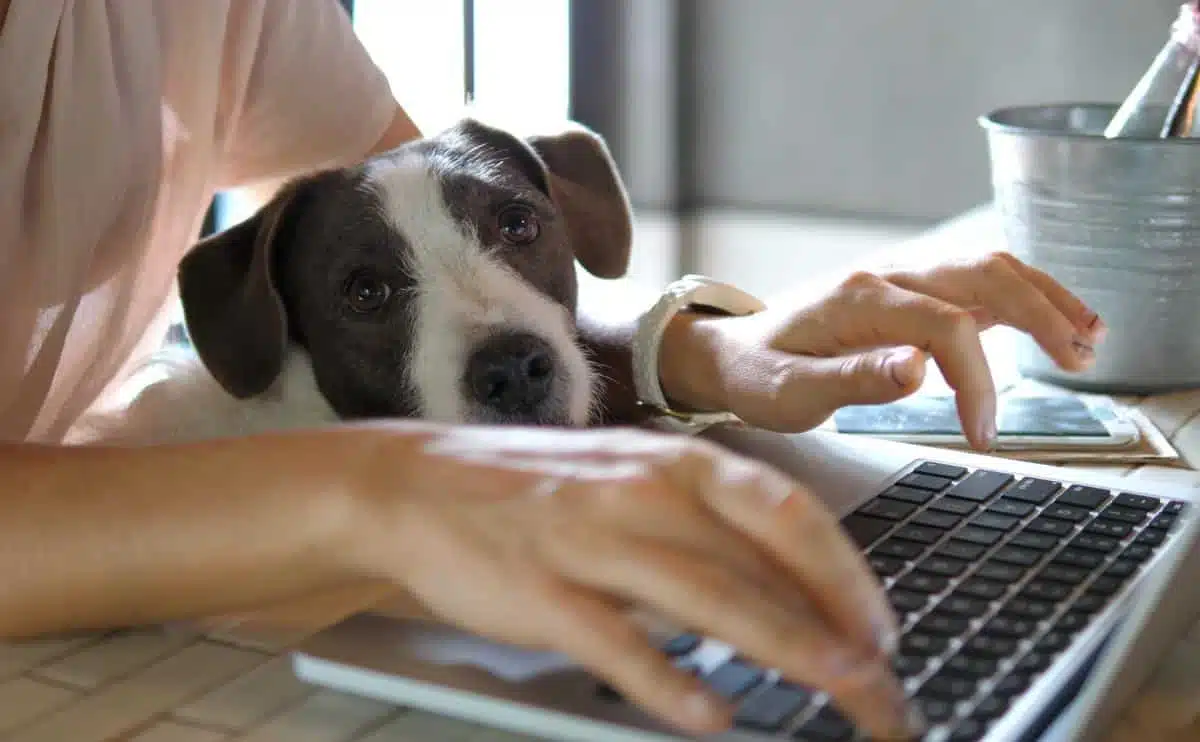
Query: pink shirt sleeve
(307, 94)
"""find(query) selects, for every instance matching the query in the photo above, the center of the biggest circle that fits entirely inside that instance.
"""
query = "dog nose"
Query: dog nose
(511, 373)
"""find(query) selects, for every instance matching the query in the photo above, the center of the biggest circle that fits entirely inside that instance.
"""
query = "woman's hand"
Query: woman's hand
(867, 341)
(547, 539)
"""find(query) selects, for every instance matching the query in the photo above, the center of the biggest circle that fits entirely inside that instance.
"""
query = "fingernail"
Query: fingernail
(987, 432)
(900, 367)
(1096, 328)
(1084, 350)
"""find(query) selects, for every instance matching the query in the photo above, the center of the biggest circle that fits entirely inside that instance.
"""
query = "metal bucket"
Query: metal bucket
(1118, 222)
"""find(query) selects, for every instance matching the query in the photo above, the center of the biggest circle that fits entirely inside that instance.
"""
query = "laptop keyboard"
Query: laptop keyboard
(992, 576)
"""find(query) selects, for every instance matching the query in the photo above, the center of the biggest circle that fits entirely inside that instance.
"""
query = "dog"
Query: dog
(435, 281)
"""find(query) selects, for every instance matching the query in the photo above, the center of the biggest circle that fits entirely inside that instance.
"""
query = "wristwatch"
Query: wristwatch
(690, 292)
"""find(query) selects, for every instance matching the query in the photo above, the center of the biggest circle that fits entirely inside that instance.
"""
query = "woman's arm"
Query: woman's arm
(94, 537)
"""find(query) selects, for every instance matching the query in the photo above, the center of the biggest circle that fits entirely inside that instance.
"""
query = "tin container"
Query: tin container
(1118, 222)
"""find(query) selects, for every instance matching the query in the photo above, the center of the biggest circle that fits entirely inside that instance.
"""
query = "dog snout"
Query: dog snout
(511, 374)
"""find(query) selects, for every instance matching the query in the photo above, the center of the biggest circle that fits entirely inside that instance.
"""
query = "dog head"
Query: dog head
(434, 281)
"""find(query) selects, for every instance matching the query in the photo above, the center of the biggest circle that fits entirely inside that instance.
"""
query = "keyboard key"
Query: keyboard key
(937, 469)
(1072, 622)
(826, 724)
(1162, 522)
(1092, 542)
(974, 535)
(980, 485)
(905, 601)
(1009, 627)
(995, 521)
(678, 646)
(953, 505)
(771, 708)
(1048, 591)
(962, 605)
(922, 583)
(942, 624)
(882, 507)
(1069, 513)
(995, 570)
(1083, 497)
(1011, 685)
(1053, 642)
(1078, 558)
(900, 549)
(908, 494)
(935, 710)
(1063, 573)
(1033, 490)
(1033, 662)
(1137, 552)
(920, 534)
(734, 679)
(935, 519)
(970, 730)
(865, 530)
(1122, 568)
(1150, 537)
(909, 666)
(1010, 507)
(1089, 603)
(1137, 502)
(979, 588)
(949, 687)
(1103, 585)
(1108, 528)
(1123, 515)
(1175, 507)
(1036, 541)
(996, 647)
(942, 566)
(1017, 555)
(1049, 526)
(972, 667)
(924, 482)
(885, 566)
(923, 645)
(990, 708)
(1028, 608)
(960, 550)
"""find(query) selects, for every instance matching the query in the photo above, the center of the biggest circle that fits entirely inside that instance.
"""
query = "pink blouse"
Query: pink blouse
(119, 119)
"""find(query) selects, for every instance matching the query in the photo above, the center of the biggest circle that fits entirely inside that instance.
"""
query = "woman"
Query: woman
(121, 119)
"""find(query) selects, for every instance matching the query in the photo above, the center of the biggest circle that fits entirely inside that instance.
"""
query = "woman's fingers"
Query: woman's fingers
(766, 623)
(871, 312)
(1003, 288)
(614, 648)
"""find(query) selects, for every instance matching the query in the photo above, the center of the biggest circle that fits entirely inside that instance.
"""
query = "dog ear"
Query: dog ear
(586, 186)
(232, 308)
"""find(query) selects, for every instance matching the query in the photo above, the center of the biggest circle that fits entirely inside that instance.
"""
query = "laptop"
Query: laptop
(1035, 603)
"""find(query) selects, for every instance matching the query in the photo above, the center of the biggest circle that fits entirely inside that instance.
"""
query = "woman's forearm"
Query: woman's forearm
(102, 537)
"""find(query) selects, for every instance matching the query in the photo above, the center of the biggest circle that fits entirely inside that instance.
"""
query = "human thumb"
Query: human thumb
(815, 387)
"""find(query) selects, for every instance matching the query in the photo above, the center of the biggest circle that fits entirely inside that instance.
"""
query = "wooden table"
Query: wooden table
(231, 681)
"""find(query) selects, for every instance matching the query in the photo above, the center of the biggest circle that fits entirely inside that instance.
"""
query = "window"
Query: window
(511, 62)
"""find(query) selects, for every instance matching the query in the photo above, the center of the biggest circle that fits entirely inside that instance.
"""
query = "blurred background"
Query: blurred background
(763, 140)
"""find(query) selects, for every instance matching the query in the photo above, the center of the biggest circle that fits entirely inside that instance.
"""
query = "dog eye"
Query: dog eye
(518, 225)
(366, 292)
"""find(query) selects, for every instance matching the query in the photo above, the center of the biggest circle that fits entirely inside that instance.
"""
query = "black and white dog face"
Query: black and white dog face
(435, 281)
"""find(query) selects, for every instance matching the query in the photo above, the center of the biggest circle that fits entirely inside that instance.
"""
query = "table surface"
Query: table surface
(231, 679)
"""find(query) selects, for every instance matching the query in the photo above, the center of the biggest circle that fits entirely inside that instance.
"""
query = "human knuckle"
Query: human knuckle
(859, 282)
(952, 320)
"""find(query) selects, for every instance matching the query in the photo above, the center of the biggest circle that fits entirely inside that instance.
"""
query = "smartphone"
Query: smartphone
(1022, 422)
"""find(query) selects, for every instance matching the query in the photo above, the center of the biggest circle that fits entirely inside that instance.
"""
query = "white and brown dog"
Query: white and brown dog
(436, 281)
